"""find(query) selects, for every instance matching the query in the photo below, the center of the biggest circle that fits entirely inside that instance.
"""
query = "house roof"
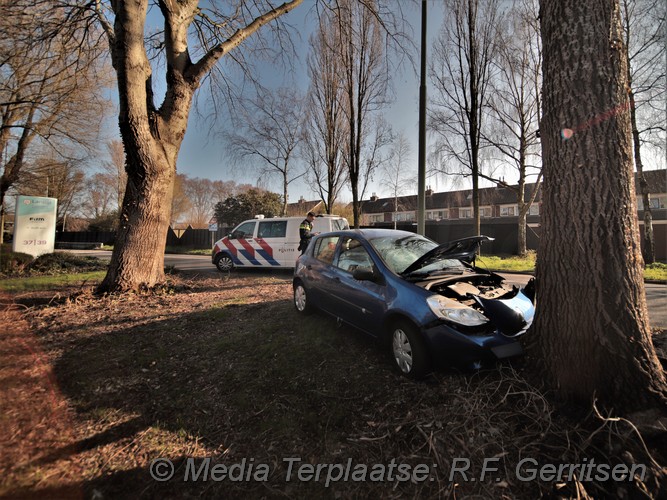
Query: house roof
(657, 180)
(302, 207)
(448, 199)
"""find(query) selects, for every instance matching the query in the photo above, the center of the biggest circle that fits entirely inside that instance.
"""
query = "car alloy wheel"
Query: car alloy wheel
(408, 351)
(301, 299)
(224, 263)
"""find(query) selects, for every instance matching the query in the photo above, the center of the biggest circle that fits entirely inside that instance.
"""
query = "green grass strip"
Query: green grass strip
(45, 282)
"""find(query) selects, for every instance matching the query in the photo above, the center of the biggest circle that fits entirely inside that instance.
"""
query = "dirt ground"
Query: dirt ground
(94, 390)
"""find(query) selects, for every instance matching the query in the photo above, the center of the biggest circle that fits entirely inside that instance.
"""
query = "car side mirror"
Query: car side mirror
(363, 274)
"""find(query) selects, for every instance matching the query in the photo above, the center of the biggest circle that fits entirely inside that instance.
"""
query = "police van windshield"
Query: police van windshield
(340, 224)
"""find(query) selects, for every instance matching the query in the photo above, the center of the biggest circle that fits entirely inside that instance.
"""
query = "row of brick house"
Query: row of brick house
(449, 214)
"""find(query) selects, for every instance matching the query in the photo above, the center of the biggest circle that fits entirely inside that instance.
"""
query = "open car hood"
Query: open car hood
(464, 249)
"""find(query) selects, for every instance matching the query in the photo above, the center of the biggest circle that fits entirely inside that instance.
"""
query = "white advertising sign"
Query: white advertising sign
(35, 225)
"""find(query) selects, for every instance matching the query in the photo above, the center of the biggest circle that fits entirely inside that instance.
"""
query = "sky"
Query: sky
(203, 153)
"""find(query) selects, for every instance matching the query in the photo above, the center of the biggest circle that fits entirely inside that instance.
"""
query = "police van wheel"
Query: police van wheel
(301, 302)
(224, 263)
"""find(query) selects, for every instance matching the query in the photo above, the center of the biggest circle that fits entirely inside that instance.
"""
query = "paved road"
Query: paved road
(656, 298)
(656, 295)
(197, 263)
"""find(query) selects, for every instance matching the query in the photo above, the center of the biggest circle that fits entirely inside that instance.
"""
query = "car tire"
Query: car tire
(301, 300)
(408, 351)
(224, 262)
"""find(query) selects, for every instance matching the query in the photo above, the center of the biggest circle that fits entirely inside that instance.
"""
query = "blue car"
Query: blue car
(427, 301)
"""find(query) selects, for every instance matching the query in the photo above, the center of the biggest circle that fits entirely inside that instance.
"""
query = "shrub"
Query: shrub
(63, 262)
(12, 263)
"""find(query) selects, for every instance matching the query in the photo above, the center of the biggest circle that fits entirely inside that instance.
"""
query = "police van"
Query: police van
(263, 242)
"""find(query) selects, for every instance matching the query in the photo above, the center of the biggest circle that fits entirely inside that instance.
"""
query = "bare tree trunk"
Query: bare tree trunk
(591, 333)
(151, 145)
(474, 111)
(142, 233)
(285, 185)
(523, 208)
(354, 186)
(648, 249)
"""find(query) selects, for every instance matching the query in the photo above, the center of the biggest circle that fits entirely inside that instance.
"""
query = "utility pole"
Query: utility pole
(421, 172)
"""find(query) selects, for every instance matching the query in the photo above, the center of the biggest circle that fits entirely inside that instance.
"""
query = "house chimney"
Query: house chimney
(374, 197)
(302, 200)
(429, 191)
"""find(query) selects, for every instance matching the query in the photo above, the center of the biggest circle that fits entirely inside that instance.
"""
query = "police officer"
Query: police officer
(305, 232)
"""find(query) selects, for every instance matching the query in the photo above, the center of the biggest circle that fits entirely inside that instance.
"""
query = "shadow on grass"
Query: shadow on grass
(251, 381)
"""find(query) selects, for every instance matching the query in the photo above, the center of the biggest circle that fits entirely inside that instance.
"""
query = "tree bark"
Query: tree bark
(591, 333)
(151, 144)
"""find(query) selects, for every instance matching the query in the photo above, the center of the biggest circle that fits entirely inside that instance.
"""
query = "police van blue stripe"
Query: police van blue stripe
(267, 257)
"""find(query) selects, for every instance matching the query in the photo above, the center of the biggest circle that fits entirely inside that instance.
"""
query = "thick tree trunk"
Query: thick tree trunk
(142, 232)
(152, 140)
(591, 333)
(522, 249)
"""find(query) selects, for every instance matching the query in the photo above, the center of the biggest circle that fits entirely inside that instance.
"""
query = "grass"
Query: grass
(32, 283)
(199, 251)
(515, 264)
(176, 250)
(657, 271)
(510, 263)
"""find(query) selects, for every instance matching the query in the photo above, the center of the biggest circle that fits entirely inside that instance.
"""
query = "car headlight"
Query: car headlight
(451, 310)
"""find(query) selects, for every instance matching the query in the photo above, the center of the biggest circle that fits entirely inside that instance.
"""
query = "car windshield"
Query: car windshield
(399, 252)
(340, 224)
